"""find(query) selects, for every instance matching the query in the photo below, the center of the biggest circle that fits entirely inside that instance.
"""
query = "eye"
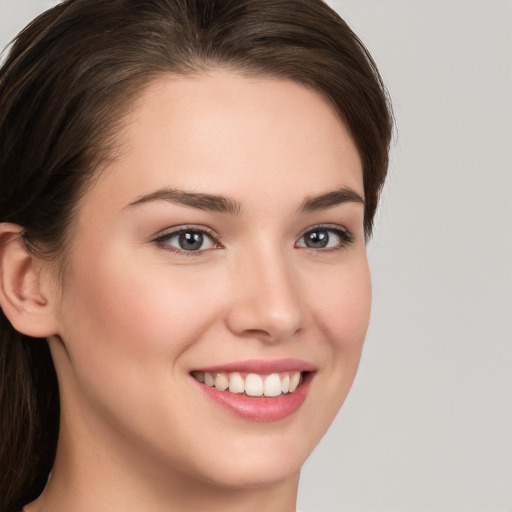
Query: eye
(323, 237)
(187, 240)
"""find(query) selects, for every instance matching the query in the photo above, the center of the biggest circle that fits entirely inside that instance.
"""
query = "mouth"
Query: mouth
(258, 390)
(252, 384)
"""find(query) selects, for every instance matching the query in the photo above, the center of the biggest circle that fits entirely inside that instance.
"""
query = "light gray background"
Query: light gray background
(428, 424)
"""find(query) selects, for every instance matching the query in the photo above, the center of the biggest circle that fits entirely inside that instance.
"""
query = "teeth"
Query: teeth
(294, 381)
(236, 383)
(272, 385)
(285, 384)
(253, 384)
(208, 379)
(198, 376)
(221, 382)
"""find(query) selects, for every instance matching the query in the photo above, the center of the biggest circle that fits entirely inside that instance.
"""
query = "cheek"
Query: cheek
(126, 311)
(126, 327)
(342, 315)
(343, 310)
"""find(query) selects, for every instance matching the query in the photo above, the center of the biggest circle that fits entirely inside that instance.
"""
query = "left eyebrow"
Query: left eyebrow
(330, 199)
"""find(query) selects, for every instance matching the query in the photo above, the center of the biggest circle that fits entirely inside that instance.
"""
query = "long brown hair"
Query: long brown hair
(67, 82)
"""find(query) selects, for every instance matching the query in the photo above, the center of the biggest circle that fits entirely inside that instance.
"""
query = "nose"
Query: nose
(266, 299)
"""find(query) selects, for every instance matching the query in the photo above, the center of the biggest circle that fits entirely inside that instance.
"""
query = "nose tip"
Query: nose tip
(266, 304)
(271, 324)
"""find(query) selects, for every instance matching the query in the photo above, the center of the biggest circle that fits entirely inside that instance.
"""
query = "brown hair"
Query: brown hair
(70, 76)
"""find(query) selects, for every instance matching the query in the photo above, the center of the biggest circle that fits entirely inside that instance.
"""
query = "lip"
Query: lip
(262, 367)
(261, 409)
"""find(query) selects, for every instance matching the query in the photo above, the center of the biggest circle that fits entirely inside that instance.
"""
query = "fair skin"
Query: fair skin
(273, 277)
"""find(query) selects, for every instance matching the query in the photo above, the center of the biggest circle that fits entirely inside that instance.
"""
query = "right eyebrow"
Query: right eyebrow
(208, 202)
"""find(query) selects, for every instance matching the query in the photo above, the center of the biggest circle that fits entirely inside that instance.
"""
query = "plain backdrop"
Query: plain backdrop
(428, 424)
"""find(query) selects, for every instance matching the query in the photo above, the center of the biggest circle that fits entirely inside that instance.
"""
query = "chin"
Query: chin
(258, 463)
(244, 476)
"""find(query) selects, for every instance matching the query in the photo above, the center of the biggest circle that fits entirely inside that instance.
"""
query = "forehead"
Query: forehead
(215, 132)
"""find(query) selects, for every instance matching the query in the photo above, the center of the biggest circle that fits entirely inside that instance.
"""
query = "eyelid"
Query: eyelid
(184, 227)
(345, 234)
(167, 233)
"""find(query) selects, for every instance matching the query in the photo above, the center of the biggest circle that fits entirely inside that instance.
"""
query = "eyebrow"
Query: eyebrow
(330, 199)
(220, 204)
(197, 200)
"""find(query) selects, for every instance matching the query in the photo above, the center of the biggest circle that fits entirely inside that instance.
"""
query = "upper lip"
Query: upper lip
(261, 366)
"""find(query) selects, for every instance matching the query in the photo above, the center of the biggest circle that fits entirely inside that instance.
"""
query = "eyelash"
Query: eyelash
(163, 240)
(344, 235)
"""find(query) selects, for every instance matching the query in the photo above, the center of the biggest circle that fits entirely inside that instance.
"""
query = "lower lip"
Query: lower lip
(261, 409)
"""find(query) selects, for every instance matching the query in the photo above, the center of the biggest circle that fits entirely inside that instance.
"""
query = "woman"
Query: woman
(187, 187)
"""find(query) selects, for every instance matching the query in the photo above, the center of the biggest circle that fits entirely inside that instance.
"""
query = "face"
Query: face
(213, 314)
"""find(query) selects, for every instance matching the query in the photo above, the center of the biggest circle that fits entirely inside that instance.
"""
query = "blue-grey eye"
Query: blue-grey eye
(189, 240)
(324, 238)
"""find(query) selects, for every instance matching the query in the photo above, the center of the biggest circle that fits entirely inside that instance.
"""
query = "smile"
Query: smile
(257, 390)
(252, 384)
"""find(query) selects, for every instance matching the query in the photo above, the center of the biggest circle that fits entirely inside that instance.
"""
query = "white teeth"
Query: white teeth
(208, 379)
(254, 385)
(294, 381)
(221, 382)
(236, 383)
(285, 384)
(272, 385)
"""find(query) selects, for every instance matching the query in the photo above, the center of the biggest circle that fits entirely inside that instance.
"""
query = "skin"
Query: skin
(134, 317)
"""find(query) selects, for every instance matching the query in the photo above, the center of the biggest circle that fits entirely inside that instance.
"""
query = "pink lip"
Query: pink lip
(261, 367)
(261, 409)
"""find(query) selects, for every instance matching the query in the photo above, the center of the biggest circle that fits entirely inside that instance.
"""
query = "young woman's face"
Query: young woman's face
(224, 245)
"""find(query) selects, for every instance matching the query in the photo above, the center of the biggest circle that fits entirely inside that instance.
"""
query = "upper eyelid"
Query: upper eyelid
(185, 227)
(333, 227)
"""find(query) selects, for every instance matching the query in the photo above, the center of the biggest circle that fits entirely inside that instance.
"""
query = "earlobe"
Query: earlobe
(23, 297)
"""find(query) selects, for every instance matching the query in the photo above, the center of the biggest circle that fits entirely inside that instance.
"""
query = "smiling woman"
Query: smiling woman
(187, 187)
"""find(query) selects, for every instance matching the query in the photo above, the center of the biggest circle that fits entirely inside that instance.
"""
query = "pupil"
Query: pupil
(191, 241)
(317, 239)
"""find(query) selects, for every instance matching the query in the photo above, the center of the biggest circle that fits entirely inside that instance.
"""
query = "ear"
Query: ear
(25, 289)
